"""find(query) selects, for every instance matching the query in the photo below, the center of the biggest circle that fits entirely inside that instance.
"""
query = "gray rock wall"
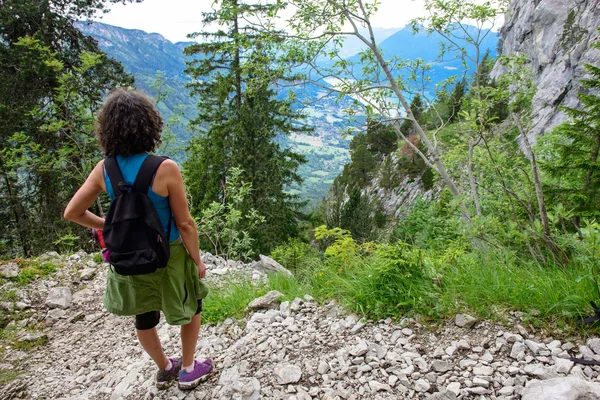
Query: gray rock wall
(556, 36)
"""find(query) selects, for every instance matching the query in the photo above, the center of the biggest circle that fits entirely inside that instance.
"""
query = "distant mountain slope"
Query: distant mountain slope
(410, 46)
(138, 51)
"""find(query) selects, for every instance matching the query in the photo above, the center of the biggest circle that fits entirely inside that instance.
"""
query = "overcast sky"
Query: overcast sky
(174, 19)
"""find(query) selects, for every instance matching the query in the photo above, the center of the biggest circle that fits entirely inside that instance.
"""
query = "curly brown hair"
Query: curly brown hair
(128, 123)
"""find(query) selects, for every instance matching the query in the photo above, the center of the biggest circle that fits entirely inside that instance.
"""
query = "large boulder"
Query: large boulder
(267, 265)
(570, 388)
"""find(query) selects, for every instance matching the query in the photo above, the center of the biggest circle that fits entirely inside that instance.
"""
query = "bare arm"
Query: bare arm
(169, 173)
(77, 209)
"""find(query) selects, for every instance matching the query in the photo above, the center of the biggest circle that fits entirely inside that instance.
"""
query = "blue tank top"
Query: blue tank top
(130, 167)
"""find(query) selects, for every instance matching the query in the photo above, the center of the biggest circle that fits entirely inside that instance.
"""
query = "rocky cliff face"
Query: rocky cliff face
(555, 35)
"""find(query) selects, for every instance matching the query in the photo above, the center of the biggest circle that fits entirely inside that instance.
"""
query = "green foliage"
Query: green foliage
(429, 224)
(234, 73)
(67, 243)
(427, 179)
(53, 79)
(8, 375)
(359, 172)
(31, 270)
(293, 254)
(389, 282)
(491, 284)
(358, 216)
(231, 300)
(418, 109)
(226, 225)
(573, 33)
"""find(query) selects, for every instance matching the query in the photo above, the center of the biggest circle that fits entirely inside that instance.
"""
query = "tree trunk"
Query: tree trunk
(472, 182)
(17, 212)
(536, 179)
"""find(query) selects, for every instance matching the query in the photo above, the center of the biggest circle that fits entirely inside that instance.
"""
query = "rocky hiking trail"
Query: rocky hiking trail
(296, 350)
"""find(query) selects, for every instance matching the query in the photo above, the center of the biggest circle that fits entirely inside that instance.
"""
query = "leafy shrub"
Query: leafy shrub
(386, 283)
(226, 225)
(428, 224)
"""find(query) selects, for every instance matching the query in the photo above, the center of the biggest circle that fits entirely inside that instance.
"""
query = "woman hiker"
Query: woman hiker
(129, 128)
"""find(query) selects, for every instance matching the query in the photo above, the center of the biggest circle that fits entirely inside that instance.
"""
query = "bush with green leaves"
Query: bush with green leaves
(226, 225)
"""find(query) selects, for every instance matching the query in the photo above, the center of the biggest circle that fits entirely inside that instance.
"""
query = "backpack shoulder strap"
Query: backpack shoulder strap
(114, 174)
(145, 175)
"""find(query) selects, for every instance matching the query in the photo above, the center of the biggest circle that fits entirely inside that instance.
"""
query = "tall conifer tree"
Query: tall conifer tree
(240, 116)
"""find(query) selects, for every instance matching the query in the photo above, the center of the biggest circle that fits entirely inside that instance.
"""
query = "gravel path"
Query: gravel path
(296, 350)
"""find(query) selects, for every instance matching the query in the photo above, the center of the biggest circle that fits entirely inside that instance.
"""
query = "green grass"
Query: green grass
(232, 300)
(8, 375)
(488, 285)
(31, 270)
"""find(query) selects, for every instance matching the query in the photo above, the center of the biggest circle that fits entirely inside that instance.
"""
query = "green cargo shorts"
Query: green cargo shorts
(174, 290)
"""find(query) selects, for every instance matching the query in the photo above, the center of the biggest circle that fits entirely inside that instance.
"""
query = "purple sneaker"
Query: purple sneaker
(164, 378)
(189, 380)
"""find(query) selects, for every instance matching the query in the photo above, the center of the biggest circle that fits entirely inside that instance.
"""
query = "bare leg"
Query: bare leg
(189, 338)
(151, 343)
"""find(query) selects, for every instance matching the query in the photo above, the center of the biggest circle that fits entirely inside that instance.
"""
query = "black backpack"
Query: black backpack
(132, 230)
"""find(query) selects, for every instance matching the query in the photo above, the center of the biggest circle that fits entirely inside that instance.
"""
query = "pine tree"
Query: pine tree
(418, 108)
(239, 117)
(456, 99)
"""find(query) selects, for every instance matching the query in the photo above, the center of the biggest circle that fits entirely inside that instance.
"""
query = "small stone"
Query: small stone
(480, 382)
(477, 390)
(464, 321)
(59, 297)
(287, 374)
(454, 387)
(451, 350)
(323, 368)
(483, 371)
(357, 327)
(360, 349)
(463, 345)
(31, 337)
(422, 385)
(539, 371)
(506, 391)
(563, 366)
(594, 345)
(441, 366)
(518, 351)
(87, 274)
(533, 346)
(376, 386)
